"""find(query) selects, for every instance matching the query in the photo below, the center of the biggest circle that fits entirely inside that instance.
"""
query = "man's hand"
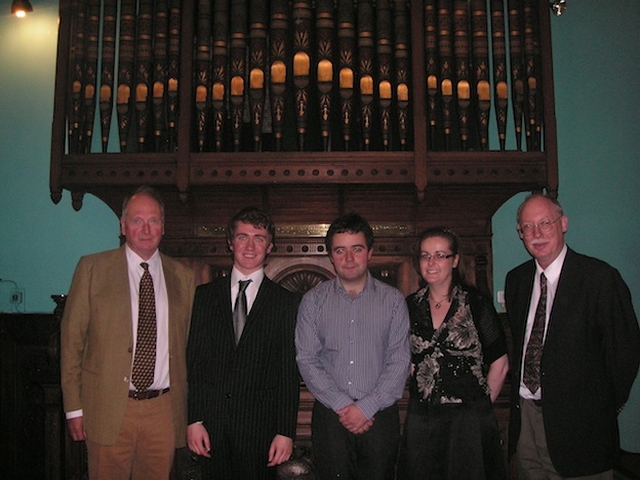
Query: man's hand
(352, 418)
(198, 439)
(280, 450)
(76, 428)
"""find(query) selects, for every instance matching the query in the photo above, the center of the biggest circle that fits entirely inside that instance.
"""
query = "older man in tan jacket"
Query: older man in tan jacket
(132, 429)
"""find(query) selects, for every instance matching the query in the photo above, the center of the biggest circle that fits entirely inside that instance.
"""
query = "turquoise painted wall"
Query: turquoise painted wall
(597, 85)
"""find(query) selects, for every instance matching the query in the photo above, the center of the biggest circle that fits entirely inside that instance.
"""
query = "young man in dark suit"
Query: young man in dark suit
(574, 367)
(242, 374)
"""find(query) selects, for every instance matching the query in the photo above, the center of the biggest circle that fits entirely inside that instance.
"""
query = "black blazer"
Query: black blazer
(249, 391)
(589, 361)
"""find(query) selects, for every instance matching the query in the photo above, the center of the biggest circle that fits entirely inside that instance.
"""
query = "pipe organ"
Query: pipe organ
(411, 112)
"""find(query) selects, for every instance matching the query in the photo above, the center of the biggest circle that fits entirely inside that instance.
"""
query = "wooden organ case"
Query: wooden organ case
(413, 113)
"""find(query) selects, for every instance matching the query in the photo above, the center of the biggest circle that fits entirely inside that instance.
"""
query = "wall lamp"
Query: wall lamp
(20, 8)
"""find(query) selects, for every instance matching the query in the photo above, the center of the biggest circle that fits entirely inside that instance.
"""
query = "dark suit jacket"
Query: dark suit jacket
(97, 342)
(249, 391)
(589, 361)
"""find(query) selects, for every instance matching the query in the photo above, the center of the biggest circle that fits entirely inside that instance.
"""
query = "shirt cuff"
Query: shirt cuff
(73, 414)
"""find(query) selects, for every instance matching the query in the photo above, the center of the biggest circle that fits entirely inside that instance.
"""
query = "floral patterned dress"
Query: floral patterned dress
(450, 430)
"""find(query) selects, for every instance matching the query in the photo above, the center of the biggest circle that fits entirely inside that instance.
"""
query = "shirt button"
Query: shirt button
(351, 362)
(348, 383)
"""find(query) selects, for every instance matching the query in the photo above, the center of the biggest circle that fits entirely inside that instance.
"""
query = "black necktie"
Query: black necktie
(531, 376)
(144, 362)
(240, 310)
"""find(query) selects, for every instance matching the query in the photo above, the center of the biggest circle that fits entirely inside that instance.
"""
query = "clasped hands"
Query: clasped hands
(352, 418)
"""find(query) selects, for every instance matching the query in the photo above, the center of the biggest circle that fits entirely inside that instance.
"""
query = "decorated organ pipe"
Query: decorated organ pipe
(531, 60)
(238, 69)
(365, 16)
(301, 66)
(159, 79)
(402, 70)
(75, 120)
(219, 71)
(445, 51)
(279, 25)
(480, 60)
(143, 71)
(325, 27)
(462, 68)
(125, 70)
(501, 91)
(107, 71)
(90, 71)
(347, 74)
(517, 67)
(384, 57)
(432, 73)
(258, 18)
(173, 72)
(202, 72)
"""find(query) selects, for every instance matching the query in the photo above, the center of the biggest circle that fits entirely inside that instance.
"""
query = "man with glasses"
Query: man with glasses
(576, 351)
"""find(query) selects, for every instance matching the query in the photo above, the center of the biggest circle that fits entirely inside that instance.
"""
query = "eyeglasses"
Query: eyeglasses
(438, 256)
(544, 226)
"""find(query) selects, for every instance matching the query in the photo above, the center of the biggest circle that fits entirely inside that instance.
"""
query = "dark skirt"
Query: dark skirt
(452, 441)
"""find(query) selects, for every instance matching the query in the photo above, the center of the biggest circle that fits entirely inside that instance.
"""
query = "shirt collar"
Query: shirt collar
(552, 272)
(134, 259)
(256, 277)
(337, 285)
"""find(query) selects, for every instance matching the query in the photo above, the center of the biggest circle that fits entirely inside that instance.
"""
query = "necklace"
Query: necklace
(437, 303)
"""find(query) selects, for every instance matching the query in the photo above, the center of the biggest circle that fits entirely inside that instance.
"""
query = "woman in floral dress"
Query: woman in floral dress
(459, 363)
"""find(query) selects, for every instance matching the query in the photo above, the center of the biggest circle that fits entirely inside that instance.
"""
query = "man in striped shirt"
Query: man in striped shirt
(353, 354)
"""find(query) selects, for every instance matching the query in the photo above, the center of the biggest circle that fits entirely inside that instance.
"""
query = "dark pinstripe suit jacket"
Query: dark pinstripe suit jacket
(251, 389)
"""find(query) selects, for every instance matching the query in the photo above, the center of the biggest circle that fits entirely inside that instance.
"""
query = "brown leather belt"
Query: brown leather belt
(147, 394)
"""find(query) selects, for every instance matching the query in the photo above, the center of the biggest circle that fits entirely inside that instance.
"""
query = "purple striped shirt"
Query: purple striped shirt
(354, 349)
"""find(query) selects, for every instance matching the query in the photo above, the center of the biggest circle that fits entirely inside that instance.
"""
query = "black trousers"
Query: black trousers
(457, 441)
(339, 453)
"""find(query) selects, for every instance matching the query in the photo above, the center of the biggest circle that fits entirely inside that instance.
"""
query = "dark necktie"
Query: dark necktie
(531, 376)
(240, 310)
(144, 362)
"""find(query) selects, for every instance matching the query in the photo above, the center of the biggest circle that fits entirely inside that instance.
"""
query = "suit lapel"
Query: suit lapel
(173, 288)
(223, 292)
(523, 302)
(564, 291)
(121, 297)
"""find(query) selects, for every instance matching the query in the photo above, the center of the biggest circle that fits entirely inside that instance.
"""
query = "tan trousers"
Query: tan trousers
(145, 446)
(532, 453)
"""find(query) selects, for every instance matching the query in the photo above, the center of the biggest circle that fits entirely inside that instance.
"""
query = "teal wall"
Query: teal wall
(597, 85)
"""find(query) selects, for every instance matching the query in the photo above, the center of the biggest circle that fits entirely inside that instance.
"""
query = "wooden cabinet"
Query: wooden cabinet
(31, 407)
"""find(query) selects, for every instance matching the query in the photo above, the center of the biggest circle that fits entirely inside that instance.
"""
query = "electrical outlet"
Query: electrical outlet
(17, 296)
(501, 301)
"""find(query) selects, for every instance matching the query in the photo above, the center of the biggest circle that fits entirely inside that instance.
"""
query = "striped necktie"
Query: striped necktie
(240, 310)
(531, 375)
